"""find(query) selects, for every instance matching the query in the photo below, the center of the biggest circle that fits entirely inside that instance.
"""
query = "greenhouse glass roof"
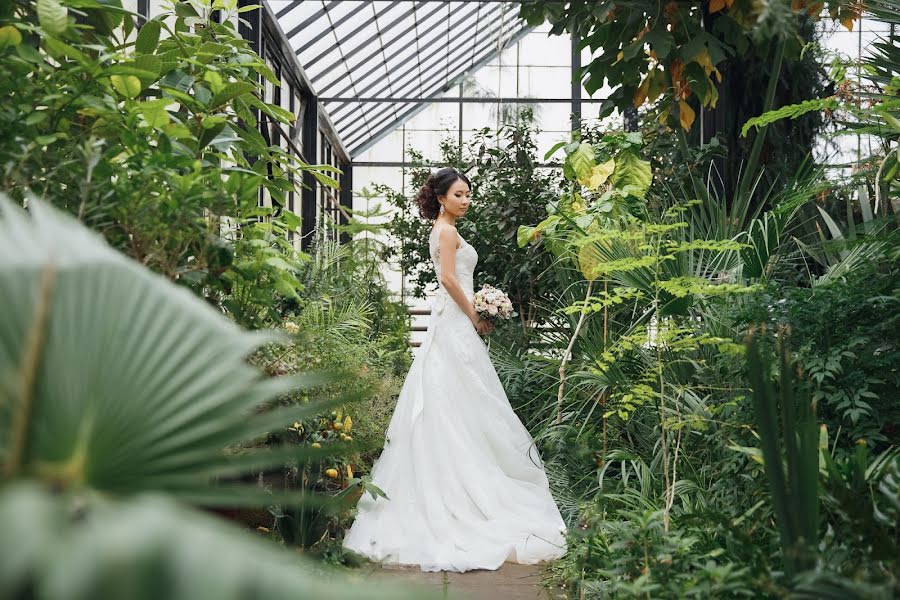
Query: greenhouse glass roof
(374, 64)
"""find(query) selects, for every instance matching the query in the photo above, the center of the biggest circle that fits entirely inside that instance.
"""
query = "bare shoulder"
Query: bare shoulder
(447, 235)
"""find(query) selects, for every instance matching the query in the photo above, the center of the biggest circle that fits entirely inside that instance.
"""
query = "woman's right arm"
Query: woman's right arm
(447, 248)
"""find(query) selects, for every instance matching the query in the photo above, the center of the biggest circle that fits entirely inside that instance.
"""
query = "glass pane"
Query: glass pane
(543, 49)
(545, 82)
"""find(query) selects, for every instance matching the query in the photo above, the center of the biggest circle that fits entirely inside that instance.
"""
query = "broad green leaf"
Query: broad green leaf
(291, 220)
(127, 85)
(523, 235)
(149, 546)
(155, 113)
(59, 49)
(53, 16)
(531, 234)
(214, 80)
(582, 159)
(632, 170)
(178, 80)
(141, 384)
(184, 9)
(103, 15)
(553, 149)
(38, 116)
(150, 67)
(148, 38)
(125, 69)
(326, 180)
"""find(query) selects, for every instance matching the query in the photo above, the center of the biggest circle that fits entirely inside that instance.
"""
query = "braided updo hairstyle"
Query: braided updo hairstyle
(436, 185)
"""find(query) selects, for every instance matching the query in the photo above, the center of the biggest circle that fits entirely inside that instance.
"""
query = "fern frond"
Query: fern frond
(791, 111)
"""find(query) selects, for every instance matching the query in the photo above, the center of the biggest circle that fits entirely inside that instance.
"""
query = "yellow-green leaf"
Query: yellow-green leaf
(589, 261)
(127, 85)
(598, 175)
(632, 171)
(9, 36)
(582, 159)
(523, 235)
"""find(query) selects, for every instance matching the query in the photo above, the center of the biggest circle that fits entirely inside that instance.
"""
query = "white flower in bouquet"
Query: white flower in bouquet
(492, 304)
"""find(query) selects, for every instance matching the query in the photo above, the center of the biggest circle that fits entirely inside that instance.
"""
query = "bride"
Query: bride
(466, 486)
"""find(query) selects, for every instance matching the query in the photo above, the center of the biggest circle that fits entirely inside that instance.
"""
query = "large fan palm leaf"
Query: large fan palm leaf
(116, 379)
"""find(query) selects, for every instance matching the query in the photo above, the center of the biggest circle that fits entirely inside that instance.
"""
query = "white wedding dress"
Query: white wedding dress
(466, 485)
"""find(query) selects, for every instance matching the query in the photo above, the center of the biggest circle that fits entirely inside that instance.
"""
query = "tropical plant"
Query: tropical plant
(154, 399)
(150, 136)
(788, 435)
(118, 383)
(84, 545)
(706, 58)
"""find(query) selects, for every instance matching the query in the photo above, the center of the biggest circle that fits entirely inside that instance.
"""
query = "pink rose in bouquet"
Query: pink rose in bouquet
(492, 304)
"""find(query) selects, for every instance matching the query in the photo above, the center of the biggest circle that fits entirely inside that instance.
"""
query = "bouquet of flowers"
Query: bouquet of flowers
(492, 304)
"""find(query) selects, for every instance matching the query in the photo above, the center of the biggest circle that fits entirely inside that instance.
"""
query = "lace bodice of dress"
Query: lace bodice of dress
(466, 259)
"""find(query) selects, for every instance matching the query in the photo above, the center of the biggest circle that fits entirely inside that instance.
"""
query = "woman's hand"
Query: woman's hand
(483, 326)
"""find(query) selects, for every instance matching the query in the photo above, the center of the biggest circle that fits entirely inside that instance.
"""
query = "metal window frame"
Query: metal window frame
(456, 59)
(309, 20)
(460, 66)
(361, 104)
(355, 150)
(377, 37)
(408, 70)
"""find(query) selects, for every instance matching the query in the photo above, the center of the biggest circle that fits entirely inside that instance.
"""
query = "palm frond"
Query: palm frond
(124, 381)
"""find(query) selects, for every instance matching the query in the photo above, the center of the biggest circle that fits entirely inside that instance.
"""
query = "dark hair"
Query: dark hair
(436, 185)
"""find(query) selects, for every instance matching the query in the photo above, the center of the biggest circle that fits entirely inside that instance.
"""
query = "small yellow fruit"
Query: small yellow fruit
(331, 473)
(349, 472)
(315, 445)
(345, 437)
(296, 424)
(348, 423)
(337, 426)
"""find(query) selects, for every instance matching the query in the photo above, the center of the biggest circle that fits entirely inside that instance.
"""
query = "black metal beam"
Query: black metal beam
(425, 61)
(277, 47)
(374, 69)
(250, 27)
(342, 20)
(576, 84)
(346, 197)
(291, 6)
(477, 28)
(309, 140)
(143, 7)
(311, 19)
